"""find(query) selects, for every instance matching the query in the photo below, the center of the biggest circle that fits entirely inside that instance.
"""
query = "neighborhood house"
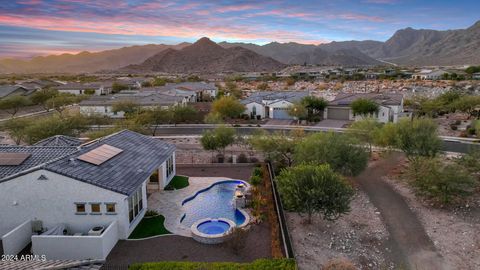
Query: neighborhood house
(74, 201)
(272, 104)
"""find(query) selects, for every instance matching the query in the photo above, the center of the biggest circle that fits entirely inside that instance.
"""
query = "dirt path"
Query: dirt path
(410, 244)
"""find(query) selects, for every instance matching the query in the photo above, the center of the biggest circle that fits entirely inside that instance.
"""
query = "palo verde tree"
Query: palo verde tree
(315, 107)
(366, 131)
(129, 107)
(298, 111)
(13, 104)
(364, 107)
(278, 147)
(343, 153)
(61, 101)
(42, 96)
(309, 189)
(218, 139)
(417, 138)
(227, 107)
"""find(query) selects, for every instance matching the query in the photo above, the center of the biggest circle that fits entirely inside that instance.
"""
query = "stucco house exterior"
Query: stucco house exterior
(63, 192)
(272, 104)
(98, 88)
(429, 75)
(390, 106)
(103, 105)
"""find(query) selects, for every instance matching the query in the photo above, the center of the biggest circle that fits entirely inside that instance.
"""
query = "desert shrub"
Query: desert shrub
(261, 264)
(151, 213)
(258, 171)
(441, 182)
(255, 180)
(453, 127)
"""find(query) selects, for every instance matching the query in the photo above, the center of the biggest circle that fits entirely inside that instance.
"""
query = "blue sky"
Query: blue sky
(39, 27)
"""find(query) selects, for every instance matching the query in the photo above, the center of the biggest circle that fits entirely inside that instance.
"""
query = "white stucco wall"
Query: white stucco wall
(53, 201)
(100, 110)
(17, 239)
(278, 104)
(62, 247)
(260, 109)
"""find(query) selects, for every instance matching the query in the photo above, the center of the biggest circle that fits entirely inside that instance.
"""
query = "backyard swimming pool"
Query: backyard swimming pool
(213, 202)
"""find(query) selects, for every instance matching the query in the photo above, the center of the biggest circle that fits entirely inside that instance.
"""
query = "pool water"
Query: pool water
(213, 202)
(213, 227)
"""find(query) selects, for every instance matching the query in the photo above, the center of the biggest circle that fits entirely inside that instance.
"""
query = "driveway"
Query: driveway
(410, 244)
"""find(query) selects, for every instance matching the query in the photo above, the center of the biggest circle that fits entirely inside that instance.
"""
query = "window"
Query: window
(169, 165)
(110, 208)
(80, 208)
(95, 208)
(135, 204)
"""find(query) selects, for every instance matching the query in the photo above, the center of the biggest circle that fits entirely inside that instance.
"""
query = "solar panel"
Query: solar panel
(100, 154)
(12, 159)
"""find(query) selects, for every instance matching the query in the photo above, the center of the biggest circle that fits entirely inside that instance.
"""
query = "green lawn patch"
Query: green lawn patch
(262, 264)
(178, 182)
(149, 226)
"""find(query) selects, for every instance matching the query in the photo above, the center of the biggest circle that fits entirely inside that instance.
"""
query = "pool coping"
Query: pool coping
(212, 238)
(169, 203)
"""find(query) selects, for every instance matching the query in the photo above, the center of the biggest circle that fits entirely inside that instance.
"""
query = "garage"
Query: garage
(281, 113)
(338, 113)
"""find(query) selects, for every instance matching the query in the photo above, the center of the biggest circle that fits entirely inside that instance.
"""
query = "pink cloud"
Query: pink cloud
(236, 8)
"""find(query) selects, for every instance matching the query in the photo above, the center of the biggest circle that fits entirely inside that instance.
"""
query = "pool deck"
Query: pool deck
(169, 202)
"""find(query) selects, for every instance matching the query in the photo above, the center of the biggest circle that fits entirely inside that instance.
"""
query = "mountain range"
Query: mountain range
(205, 56)
(407, 46)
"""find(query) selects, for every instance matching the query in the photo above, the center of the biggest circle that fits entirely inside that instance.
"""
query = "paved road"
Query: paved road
(410, 244)
(449, 144)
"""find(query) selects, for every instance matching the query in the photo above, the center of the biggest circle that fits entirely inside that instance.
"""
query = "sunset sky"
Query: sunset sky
(39, 27)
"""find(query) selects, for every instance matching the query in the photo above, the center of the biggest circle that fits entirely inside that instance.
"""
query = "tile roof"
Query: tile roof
(345, 99)
(123, 173)
(147, 98)
(39, 155)
(6, 90)
(59, 140)
(290, 96)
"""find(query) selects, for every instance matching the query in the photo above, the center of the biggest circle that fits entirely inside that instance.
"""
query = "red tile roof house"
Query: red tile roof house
(63, 192)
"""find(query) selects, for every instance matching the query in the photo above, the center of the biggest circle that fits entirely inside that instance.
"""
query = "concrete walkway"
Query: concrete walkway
(410, 244)
(169, 202)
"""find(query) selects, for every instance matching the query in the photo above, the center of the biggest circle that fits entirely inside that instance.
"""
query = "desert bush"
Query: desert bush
(151, 213)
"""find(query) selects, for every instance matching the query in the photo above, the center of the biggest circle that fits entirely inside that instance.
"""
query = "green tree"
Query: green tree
(61, 102)
(366, 130)
(159, 82)
(278, 147)
(315, 107)
(182, 114)
(444, 182)
(13, 104)
(232, 89)
(16, 128)
(418, 138)
(341, 152)
(468, 105)
(386, 136)
(218, 139)
(364, 107)
(155, 117)
(298, 111)
(228, 107)
(42, 96)
(117, 87)
(309, 189)
(41, 128)
(129, 107)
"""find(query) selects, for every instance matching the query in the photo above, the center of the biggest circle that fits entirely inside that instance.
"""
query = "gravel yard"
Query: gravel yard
(359, 237)
(455, 231)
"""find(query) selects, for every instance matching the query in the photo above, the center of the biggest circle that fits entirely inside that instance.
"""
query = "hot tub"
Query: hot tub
(212, 231)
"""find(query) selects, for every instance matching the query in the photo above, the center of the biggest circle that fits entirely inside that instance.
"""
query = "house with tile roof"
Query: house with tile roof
(272, 104)
(14, 90)
(103, 105)
(86, 196)
(390, 106)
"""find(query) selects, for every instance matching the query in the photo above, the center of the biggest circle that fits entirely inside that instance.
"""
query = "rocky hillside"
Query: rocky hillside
(205, 56)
